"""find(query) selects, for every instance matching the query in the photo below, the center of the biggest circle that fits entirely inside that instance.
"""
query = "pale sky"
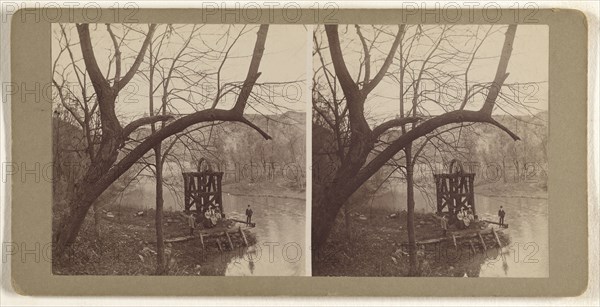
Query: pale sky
(528, 64)
(284, 61)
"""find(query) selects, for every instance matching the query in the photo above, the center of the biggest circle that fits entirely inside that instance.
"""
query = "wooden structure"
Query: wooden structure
(243, 222)
(228, 235)
(486, 238)
(203, 191)
(455, 190)
(496, 223)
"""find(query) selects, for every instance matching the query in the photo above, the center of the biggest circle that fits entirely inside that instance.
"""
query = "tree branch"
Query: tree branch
(397, 122)
(138, 60)
(225, 57)
(367, 55)
(348, 85)
(504, 128)
(386, 64)
(253, 74)
(255, 127)
(98, 80)
(501, 74)
(117, 54)
(127, 130)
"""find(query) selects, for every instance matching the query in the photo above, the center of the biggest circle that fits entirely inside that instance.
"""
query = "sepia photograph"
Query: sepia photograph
(180, 149)
(313, 151)
(429, 150)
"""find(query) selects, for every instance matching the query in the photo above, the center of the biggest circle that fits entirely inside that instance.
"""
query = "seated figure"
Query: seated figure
(464, 218)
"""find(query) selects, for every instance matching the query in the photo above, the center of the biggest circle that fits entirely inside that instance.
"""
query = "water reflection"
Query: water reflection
(527, 253)
(280, 231)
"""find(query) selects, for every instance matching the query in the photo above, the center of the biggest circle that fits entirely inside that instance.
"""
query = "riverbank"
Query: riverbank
(126, 246)
(373, 246)
(265, 189)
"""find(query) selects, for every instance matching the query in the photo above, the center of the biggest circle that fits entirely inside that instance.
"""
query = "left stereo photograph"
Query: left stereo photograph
(179, 149)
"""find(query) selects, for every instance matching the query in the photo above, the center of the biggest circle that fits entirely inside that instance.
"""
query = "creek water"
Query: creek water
(280, 231)
(281, 242)
(527, 253)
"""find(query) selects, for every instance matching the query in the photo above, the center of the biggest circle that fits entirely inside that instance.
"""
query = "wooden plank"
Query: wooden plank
(179, 239)
(204, 233)
(229, 239)
(482, 241)
(496, 223)
(244, 222)
(467, 235)
(243, 236)
(497, 238)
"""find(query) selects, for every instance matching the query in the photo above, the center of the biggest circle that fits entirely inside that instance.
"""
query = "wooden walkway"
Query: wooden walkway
(225, 234)
(468, 236)
(221, 237)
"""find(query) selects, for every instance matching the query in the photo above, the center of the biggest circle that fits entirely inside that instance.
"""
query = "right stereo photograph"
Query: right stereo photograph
(429, 150)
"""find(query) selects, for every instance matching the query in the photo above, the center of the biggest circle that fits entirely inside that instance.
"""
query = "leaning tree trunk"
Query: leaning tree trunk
(79, 206)
(86, 192)
(325, 209)
(328, 201)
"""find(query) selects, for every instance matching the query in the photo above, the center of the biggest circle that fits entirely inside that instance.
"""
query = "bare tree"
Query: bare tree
(106, 167)
(360, 150)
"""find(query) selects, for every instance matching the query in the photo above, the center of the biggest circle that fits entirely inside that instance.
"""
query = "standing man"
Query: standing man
(249, 216)
(501, 215)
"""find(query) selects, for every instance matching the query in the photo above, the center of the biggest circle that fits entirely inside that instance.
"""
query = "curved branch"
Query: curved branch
(397, 122)
(152, 140)
(425, 128)
(255, 127)
(127, 130)
(504, 128)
